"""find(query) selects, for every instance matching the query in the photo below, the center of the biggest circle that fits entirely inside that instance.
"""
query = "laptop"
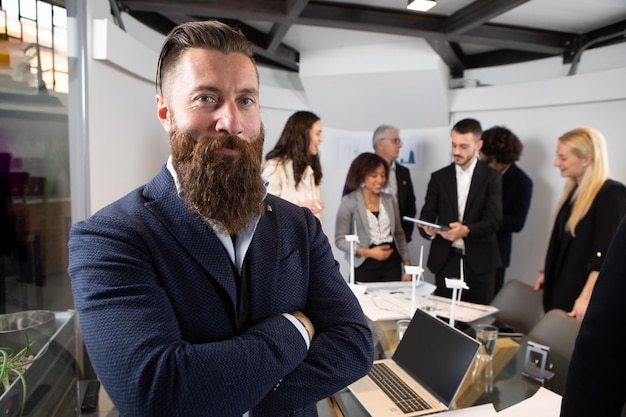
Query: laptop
(432, 359)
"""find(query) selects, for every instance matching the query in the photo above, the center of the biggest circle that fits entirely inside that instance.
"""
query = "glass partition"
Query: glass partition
(35, 214)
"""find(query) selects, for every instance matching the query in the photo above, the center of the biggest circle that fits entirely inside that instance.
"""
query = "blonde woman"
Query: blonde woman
(588, 214)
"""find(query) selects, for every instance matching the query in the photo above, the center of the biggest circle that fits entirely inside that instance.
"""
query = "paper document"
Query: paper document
(392, 301)
(485, 410)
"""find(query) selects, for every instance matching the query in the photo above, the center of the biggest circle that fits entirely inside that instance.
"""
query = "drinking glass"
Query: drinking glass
(401, 326)
(428, 306)
(487, 335)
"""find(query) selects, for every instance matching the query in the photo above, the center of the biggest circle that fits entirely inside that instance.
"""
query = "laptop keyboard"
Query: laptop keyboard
(400, 393)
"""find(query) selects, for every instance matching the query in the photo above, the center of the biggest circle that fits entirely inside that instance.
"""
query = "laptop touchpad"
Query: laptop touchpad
(364, 385)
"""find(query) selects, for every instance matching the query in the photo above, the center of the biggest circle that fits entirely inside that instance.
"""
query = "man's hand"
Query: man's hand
(457, 230)
(306, 323)
(430, 231)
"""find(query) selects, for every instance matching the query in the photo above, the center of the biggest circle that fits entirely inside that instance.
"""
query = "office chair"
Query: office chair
(519, 306)
(558, 331)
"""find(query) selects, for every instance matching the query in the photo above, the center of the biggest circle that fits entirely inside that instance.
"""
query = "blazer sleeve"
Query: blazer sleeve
(406, 199)
(344, 223)
(516, 205)
(342, 350)
(398, 232)
(484, 216)
(274, 173)
(608, 209)
(430, 209)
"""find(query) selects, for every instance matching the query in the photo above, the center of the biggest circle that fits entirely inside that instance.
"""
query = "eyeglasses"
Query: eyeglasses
(395, 141)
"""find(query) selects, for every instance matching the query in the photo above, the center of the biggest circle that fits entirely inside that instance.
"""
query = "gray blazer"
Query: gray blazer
(352, 209)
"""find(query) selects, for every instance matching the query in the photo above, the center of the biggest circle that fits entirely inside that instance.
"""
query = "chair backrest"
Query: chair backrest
(519, 305)
(558, 331)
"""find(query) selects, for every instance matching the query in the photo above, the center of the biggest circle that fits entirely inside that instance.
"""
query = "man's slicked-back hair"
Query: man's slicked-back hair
(209, 34)
(469, 126)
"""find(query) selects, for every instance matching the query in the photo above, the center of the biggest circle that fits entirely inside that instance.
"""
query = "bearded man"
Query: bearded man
(199, 294)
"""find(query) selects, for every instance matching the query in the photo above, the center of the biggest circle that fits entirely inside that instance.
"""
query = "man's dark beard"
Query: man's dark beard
(226, 188)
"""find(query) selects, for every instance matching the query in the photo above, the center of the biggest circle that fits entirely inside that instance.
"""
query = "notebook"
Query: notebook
(432, 359)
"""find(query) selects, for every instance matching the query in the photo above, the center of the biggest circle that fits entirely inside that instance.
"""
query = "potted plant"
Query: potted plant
(13, 365)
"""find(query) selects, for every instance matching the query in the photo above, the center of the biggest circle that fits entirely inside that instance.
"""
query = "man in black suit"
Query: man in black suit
(466, 196)
(501, 148)
(387, 143)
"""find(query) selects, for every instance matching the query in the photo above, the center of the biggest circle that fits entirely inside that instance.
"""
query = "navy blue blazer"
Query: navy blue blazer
(517, 188)
(483, 216)
(156, 298)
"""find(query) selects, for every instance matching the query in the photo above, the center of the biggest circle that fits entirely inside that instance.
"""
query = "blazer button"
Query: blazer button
(277, 384)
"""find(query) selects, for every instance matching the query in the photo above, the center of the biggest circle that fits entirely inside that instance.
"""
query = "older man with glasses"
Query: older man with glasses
(387, 143)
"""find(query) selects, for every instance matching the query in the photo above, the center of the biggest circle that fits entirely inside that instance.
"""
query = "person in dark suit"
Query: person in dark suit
(200, 294)
(501, 148)
(387, 143)
(590, 209)
(466, 196)
(595, 383)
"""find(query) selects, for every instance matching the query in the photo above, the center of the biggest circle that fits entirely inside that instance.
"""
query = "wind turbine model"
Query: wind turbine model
(417, 273)
(354, 241)
(457, 286)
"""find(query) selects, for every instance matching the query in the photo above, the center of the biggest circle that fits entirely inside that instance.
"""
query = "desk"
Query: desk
(509, 386)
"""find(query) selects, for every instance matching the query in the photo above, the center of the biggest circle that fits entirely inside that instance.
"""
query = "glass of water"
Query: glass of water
(487, 335)
(401, 326)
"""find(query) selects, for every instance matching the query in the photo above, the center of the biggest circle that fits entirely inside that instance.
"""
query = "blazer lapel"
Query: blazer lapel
(450, 189)
(475, 184)
(191, 233)
(262, 261)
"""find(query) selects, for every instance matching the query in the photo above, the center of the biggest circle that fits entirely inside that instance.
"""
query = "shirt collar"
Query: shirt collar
(468, 171)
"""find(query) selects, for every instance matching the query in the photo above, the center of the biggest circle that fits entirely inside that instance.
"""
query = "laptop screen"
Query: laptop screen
(436, 355)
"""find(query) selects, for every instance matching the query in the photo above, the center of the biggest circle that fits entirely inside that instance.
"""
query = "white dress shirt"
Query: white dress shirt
(463, 182)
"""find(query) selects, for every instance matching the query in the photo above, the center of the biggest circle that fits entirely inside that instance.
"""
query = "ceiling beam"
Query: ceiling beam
(451, 54)
(369, 19)
(432, 27)
(281, 56)
(477, 13)
(444, 33)
(279, 30)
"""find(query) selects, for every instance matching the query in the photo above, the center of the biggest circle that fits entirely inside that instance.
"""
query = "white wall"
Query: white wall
(128, 145)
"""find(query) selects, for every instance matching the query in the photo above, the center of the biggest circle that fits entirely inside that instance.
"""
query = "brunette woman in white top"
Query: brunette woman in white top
(293, 167)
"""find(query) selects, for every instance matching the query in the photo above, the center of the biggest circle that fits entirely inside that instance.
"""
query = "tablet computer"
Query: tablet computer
(425, 223)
